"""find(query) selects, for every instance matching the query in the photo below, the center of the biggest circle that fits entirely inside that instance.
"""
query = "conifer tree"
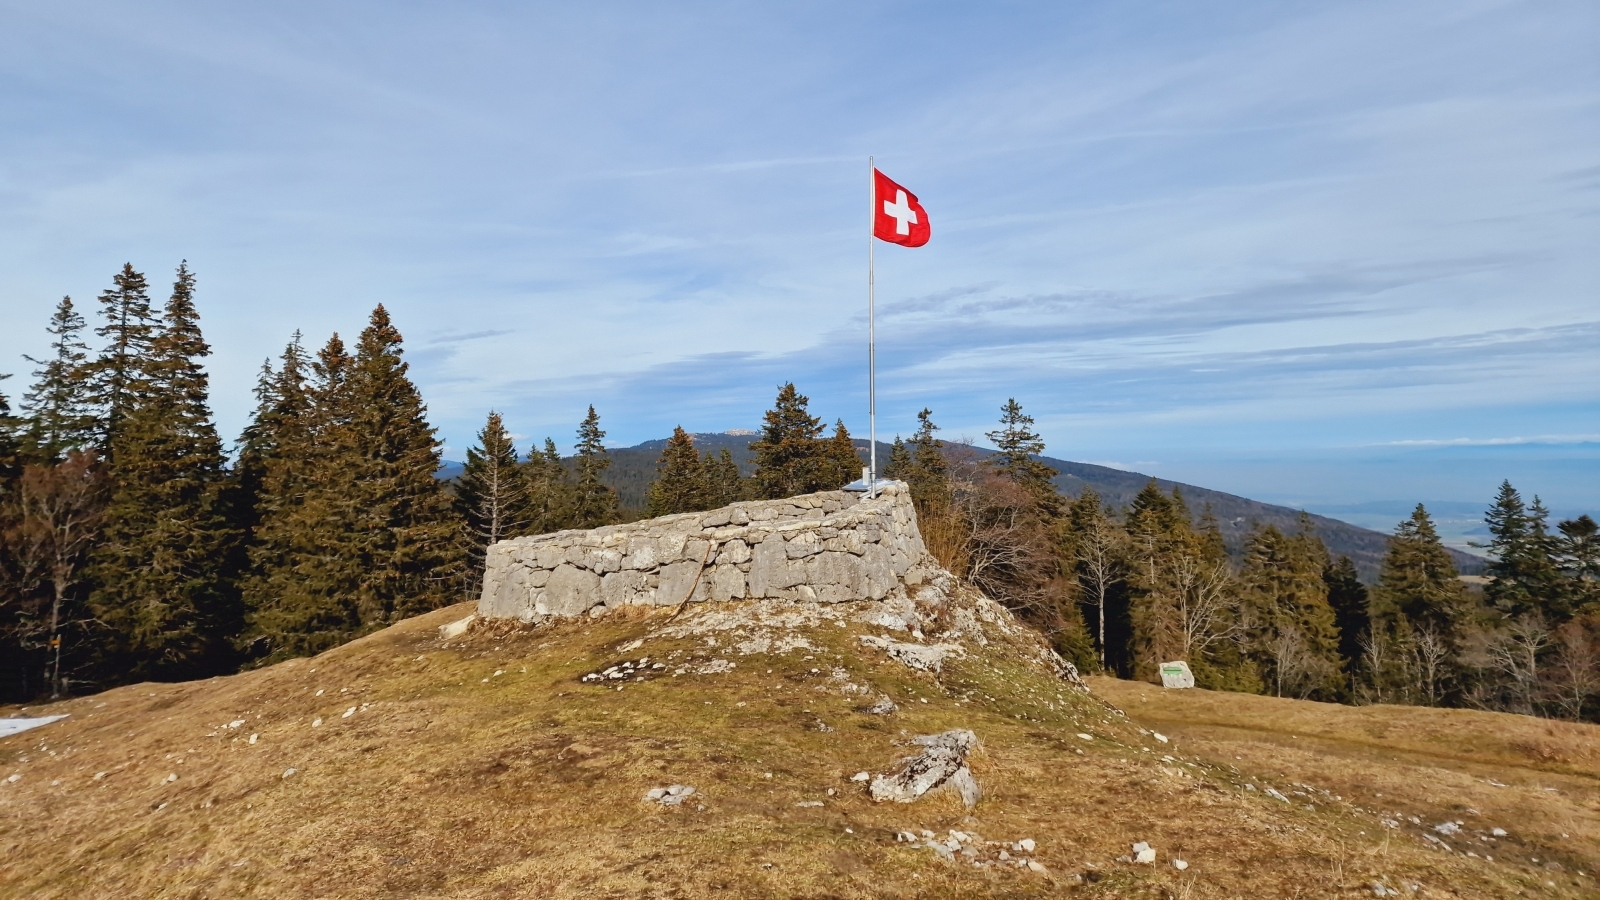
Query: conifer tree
(1293, 626)
(594, 502)
(160, 589)
(1522, 572)
(928, 473)
(491, 495)
(409, 537)
(58, 404)
(1348, 597)
(723, 481)
(839, 464)
(1017, 445)
(302, 590)
(1578, 553)
(117, 375)
(681, 483)
(898, 467)
(550, 494)
(1418, 612)
(788, 454)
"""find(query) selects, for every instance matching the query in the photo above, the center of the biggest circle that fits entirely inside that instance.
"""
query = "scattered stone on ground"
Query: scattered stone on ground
(942, 763)
(1143, 853)
(671, 795)
(968, 847)
(455, 629)
(883, 707)
(923, 657)
(641, 669)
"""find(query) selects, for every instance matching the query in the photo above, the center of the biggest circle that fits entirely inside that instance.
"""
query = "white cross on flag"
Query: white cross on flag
(897, 216)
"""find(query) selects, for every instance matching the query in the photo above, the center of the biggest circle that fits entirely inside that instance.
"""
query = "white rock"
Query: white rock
(99, 775)
(289, 771)
(809, 803)
(1085, 737)
(861, 776)
(13, 779)
(1498, 832)
(348, 713)
(942, 763)
(172, 777)
(235, 723)
(1179, 864)
(1159, 736)
(1026, 845)
(1035, 866)
(1144, 853)
(316, 723)
(1447, 828)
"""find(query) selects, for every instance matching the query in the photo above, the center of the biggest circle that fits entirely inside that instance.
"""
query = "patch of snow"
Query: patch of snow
(8, 727)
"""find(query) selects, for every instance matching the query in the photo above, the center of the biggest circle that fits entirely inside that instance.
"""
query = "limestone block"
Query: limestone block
(739, 516)
(830, 506)
(841, 569)
(669, 547)
(571, 591)
(677, 580)
(695, 550)
(802, 545)
(717, 518)
(827, 531)
(870, 533)
(763, 514)
(879, 571)
(550, 556)
(727, 583)
(604, 560)
(770, 570)
(734, 552)
(624, 588)
(846, 542)
(641, 554)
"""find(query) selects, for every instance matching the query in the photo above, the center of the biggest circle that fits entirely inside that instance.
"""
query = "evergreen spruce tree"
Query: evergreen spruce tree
(594, 502)
(898, 467)
(1348, 597)
(839, 464)
(1017, 445)
(928, 473)
(1418, 612)
(1522, 571)
(723, 482)
(550, 493)
(409, 536)
(682, 483)
(491, 495)
(304, 580)
(118, 375)
(161, 588)
(788, 455)
(58, 405)
(1579, 555)
(1295, 636)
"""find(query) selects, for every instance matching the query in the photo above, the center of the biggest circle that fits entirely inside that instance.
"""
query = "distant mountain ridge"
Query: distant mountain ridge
(633, 468)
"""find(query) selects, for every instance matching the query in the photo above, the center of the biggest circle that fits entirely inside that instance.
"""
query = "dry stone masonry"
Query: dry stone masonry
(829, 547)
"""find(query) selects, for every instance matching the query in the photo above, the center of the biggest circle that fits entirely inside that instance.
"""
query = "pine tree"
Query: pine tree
(839, 464)
(788, 453)
(594, 502)
(58, 404)
(491, 496)
(898, 467)
(1016, 446)
(160, 581)
(723, 482)
(118, 374)
(681, 483)
(1579, 555)
(1348, 597)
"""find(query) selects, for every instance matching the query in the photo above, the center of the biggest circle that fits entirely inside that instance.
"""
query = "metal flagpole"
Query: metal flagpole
(872, 333)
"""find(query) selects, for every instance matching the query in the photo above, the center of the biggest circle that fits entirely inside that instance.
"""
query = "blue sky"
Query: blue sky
(1312, 253)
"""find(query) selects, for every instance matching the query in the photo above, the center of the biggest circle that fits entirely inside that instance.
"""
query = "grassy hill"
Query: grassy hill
(402, 765)
(633, 468)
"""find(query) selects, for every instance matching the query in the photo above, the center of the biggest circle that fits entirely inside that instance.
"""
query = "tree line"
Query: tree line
(134, 546)
(1123, 590)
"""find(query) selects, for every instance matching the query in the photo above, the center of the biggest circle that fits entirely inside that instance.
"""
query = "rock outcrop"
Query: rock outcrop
(829, 547)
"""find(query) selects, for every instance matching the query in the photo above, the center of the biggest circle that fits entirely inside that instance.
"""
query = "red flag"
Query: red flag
(897, 216)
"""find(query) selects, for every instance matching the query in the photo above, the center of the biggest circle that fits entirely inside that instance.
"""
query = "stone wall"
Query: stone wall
(830, 547)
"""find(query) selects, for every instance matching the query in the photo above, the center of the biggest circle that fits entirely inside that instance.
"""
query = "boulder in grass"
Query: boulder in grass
(941, 764)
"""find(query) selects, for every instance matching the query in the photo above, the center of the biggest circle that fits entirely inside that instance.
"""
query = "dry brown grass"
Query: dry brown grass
(453, 781)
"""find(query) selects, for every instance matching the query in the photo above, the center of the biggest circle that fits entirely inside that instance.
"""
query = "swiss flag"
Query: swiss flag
(897, 217)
